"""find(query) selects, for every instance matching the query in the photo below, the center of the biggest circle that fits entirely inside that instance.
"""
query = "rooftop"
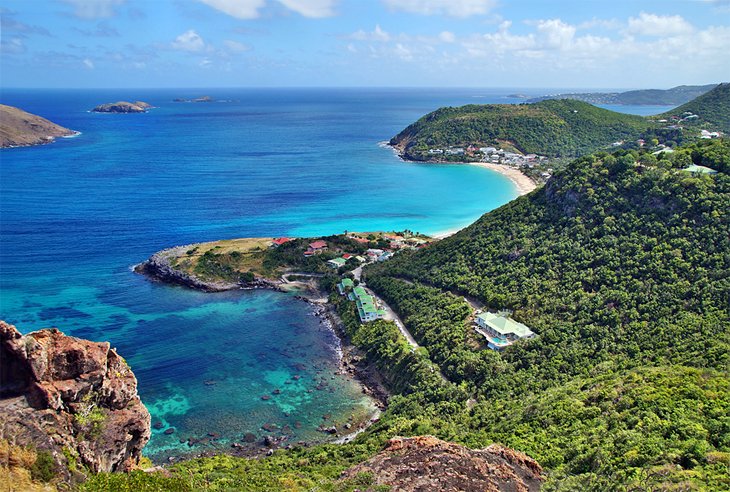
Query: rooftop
(504, 326)
(699, 169)
(318, 244)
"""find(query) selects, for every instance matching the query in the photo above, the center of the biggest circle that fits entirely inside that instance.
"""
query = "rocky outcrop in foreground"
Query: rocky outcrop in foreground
(123, 107)
(20, 129)
(74, 398)
(426, 463)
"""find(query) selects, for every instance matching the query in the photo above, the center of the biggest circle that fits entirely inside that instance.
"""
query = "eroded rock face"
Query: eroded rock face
(427, 463)
(75, 398)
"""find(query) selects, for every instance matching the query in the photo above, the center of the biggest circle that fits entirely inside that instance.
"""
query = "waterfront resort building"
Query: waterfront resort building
(367, 306)
(345, 286)
(501, 331)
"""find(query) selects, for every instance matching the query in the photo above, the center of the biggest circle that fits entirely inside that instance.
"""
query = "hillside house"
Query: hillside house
(318, 245)
(501, 331)
(336, 263)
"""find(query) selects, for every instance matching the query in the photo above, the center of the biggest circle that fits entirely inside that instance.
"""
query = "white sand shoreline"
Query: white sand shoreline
(521, 181)
(523, 184)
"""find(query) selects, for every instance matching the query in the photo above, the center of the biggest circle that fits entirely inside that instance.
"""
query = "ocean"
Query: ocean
(77, 214)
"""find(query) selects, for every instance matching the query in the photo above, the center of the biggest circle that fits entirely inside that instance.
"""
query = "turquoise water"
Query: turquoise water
(77, 214)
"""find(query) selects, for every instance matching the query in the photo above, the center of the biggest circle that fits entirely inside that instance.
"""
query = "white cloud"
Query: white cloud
(378, 34)
(311, 8)
(447, 37)
(403, 53)
(555, 34)
(236, 47)
(659, 25)
(454, 8)
(240, 9)
(88, 63)
(12, 46)
(189, 41)
(94, 9)
(249, 9)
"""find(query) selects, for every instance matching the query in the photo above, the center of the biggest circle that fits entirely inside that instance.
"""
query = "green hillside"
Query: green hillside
(554, 128)
(713, 109)
(619, 264)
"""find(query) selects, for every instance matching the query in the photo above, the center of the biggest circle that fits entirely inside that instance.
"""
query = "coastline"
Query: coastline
(351, 360)
(522, 182)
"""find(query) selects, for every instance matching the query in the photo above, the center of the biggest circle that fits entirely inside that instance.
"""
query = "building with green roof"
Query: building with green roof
(501, 331)
(337, 262)
(694, 168)
(367, 307)
(345, 285)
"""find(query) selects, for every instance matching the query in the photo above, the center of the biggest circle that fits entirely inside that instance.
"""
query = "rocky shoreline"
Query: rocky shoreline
(352, 361)
(158, 267)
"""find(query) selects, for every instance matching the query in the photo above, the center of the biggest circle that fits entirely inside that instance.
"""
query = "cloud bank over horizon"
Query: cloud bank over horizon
(480, 43)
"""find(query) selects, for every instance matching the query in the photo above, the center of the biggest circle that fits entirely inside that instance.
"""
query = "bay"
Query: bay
(77, 214)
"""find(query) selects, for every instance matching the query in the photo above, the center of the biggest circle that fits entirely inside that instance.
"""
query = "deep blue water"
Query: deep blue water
(76, 214)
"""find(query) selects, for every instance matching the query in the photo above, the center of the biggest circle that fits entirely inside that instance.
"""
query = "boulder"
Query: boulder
(62, 393)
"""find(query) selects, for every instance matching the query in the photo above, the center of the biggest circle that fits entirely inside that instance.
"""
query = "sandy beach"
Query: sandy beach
(523, 184)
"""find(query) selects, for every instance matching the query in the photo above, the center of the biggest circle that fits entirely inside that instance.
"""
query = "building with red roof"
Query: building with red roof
(278, 241)
(318, 245)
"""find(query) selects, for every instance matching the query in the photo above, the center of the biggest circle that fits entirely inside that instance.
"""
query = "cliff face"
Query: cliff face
(75, 398)
(19, 128)
(427, 463)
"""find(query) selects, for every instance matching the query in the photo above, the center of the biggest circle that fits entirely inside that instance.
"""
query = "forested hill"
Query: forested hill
(554, 128)
(712, 109)
(621, 266)
(669, 97)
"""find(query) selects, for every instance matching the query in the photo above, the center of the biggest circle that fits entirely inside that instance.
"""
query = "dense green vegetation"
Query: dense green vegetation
(713, 109)
(552, 128)
(621, 265)
(560, 127)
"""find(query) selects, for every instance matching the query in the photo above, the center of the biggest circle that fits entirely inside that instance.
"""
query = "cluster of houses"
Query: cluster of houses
(490, 154)
(496, 156)
(367, 306)
(371, 255)
(501, 331)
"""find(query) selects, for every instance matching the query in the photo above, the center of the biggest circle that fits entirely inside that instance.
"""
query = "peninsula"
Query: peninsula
(655, 97)
(20, 129)
(538, 139)
(123, 107)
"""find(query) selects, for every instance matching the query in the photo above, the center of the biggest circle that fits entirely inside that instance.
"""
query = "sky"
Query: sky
(364, 43)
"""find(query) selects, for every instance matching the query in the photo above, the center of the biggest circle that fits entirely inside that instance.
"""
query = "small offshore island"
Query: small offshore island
(19, 128)
(123, 107)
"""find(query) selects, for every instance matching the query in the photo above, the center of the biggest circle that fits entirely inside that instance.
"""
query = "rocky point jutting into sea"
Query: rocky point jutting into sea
(19, 128)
